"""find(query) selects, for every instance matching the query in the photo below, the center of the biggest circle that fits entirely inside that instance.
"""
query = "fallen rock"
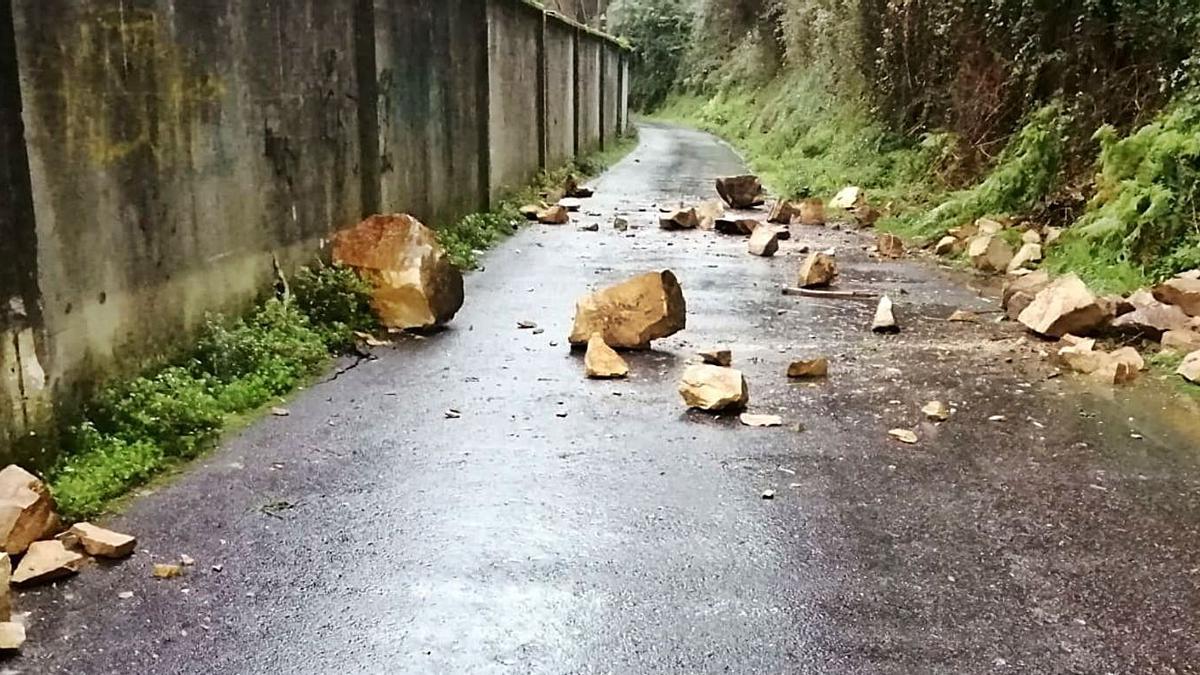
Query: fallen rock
(1121, 367)
(751, 420)
(631, 314)
(963, 316)
(1064, 306)
(572, 189)
(1031, 237)
(936, 411)
(682, 219)
(964, 232)
(717, 357)
(783, 212)
(620, 224)
(904, 436)
(1151, 318)
(1029, 253)
(989, 253)
(808, 368)
(571, 204)
(890, 246)
(1190, 274)
(709, 212)
(988, 227)
(167, 571)
(1019, 292)
(46, 561)
(811, 212)
(601, 362)
(948, 245)
(103, 543)
(714, 388)
(1183, 292)
(531, 211)
(414, 284)
(1185, 341)
(5, 592)
(1118, 367)
(866, 215)
(1082, 357)
(26, 510)
(737, 227)
(741, 192)
(849, 198)
(1051, 235)
(782, 232)
(885, 318)
(12, 636)
(819, 269)
(764, 242)
(554, 215)
(1190, 368)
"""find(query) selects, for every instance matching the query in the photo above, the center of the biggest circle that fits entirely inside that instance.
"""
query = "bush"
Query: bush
(337, 302)
(659, 32)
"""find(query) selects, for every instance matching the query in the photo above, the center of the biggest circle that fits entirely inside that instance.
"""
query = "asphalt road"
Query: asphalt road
(569, 526)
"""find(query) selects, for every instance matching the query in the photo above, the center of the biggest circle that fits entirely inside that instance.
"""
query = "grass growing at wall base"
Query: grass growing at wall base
(477, 232)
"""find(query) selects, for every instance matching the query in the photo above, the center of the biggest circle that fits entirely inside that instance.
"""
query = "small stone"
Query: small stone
(819, 269)
(571, 204)
(890, 246)
(280, 412)
(988, 226)
(1190, 368)
(783, 212)
(885, 317)
(751, 420)
(736, 226)
(590, 227)
(620, 224)
(572, 189)
(1019, 293)
(526, 325)
(1029, 253)
(125, 595)
(936, 411)
(849, 198)
(1031, 237)
(963, 316)
(5, 591)
(718, 357)
(989, 253)
(186, 560)
(811, 212)
(554, 215)
(164, 571)
(948, 245)
(768, 495)
(903, 435)
(103, 543)
(764, 242)
(682, 219)
(601, 362)
(808, 368)
(46, 561)
(12, 636)
(531, 211)
(741, 192)
(709, 212)
(1185, 341)
(1183, 292)
(714, 388)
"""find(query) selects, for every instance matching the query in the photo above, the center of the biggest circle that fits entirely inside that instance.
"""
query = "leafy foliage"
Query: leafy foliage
(337, 301)
(659, 32)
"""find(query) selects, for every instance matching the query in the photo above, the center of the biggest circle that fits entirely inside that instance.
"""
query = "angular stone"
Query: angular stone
(988, 227)
(783, 212)
(1190, 274)
(1120, 367)
(5, 593)
(904, 436)
(1031, 237)
(601, 362)
(682, 219)
(948, 245)
(885, 317)
(1029, 253)
(811, 212)
(572, 189)
(571, 204)
(751, 420)
(167, 571)
(1190, 368)
(819, 269)
(554, 215)
(46, 561)
(989, 253)
(1065, 306)
(808, 368)
(890, 246)
(963, 316)
(1052, 235)
(964, 232)
(631, 314)
(1151, 318)
(1082, 357)
(414, 283)
(764, 242)
(849, 198)
(26, 510)
(866, 215)
(736, 227)
(1185, 341)
(1181, 292)
(741, 192)
(936, 411)
(103, 543)
(1018, 293)
(709, 212)
(717, 357)
(12, 636)
(782, 232)
(714, 388)
(531, 211)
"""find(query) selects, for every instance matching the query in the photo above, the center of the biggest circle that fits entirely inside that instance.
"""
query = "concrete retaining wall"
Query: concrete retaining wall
(587, 93)
(172, 149)
(610, 93)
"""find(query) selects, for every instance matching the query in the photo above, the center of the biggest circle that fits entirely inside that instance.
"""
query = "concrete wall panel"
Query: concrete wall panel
(514, 62)
(610, 93)
(560, 91)
(588, 51)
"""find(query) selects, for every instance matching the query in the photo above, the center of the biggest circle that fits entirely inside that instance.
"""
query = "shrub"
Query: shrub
(337, 302)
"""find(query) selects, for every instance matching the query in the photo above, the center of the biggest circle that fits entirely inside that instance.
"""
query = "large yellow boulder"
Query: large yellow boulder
(26, 510)
(415, 284)
(631, 314)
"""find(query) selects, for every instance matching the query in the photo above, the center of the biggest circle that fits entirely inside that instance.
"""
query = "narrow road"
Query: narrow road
(569, 526)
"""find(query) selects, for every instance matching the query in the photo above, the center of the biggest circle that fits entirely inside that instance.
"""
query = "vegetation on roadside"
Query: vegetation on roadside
(135, 429)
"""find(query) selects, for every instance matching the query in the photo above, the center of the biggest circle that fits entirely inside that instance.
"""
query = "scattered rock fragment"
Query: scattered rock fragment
(682, 219)
(1185, 341)
(783, 212)
(601, 362)
(1064, 306)
(103, 543)
(531, 211)
(1118, 367)
(1019, 292)
(988, 227)
(554, 215)
(1121, 366)
(904, 436)
(818, 270)
(167, 571)
(782, 232)
(590, 227)
(1183, 292)
(714, 388)
(1190, 368)
(1151, 318)
(5, 592)
(280, 412)
(849, 198)
(1031, 237)
(12, 636)
(989, 253)
(736, 226)
(751, 420)
(571, 204)
(414, 283)
(936, 411)
(808, 368)
(811, 212)
(948, 245)
(572, 189)
(1051, 235)
(709, 211)
(890, 246)
(741, 192)
(631, 314)
(768, 495)
(866, 215)
(1029, 253)
(26, 510)
(963, 316)
(46, 561)
(885, 317)
(620, 224)
(764, 242)
(717, 357)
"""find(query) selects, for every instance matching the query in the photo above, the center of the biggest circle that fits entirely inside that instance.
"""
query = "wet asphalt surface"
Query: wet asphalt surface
(567, 526)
